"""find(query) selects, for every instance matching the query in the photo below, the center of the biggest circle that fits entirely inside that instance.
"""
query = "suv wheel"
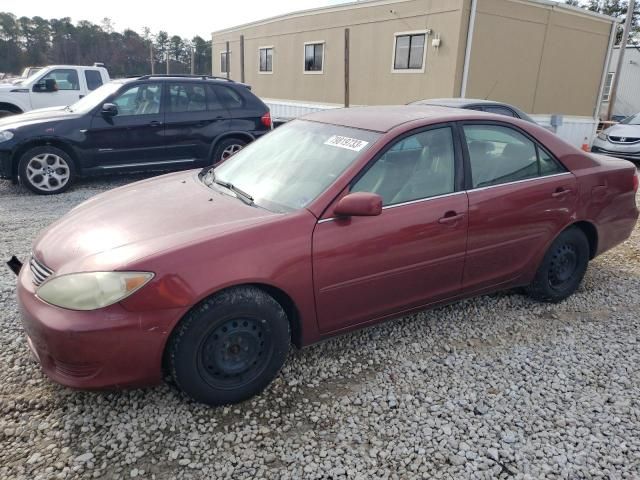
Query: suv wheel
(46, 170)
(227, 148)
(229, 347)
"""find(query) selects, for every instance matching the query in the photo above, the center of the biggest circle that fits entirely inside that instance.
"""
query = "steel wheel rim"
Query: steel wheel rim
(563, 266)
(230, 150)
(48, 172)
(235, 352)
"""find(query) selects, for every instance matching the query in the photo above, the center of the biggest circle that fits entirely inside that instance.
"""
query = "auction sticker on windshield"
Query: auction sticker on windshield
(346, 142)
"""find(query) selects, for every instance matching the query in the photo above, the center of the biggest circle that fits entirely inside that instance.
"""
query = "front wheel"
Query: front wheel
(230, 346)
(562, 267)
(46, 170)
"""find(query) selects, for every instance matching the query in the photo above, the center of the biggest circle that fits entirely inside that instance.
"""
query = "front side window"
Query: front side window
(409, 52)
(501, 155)
(313, 57)
(187, 97)
(224, 61)
(93, 78)
(66, 79)
(266, 60)
(416, 167)
(139, 100)
(288, 168)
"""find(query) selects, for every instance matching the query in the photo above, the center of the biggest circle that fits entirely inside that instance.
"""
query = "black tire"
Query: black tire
(222, 149)
(229, 347)
(562, 267)
(57, 179)
(7, 113)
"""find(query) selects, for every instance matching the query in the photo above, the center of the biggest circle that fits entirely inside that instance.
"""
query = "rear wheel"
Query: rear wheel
(46, 170)
(229, 347)
(562, 268)
(226, 148)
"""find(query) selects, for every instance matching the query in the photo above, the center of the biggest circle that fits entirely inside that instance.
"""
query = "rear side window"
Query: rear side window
(500, 154)
(94, 79)
(187, 97)
(499, 110)
(228, 97)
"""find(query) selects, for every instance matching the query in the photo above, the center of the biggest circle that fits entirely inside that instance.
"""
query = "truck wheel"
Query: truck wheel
(229, 347)
(227, 148)
(562, 267)
(46, 170)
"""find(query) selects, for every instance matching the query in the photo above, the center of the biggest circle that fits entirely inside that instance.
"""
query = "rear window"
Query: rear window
(94, 79)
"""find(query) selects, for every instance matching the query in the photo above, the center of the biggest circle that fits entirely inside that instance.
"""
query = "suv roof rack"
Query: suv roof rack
(183, 75)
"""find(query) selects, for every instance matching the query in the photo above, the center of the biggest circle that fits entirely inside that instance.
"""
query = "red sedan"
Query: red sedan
(330, 223)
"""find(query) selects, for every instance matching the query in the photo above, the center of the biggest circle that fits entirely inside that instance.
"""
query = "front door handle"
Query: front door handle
(561, 192)
(450, 218)
(155, 123)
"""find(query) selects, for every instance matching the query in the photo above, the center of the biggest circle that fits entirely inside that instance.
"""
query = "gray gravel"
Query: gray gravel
(494, 387)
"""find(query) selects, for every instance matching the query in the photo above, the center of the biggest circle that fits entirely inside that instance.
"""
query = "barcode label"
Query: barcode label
(346, 142)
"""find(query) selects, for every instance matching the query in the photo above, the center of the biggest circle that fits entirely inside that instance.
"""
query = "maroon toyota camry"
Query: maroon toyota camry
(330, 223)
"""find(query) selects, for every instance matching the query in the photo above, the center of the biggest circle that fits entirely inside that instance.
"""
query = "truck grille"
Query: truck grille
(624, 139)
(39, 271)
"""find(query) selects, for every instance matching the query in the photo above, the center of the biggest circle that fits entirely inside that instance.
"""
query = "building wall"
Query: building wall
(628, 96)
(540, 58)
(372, 27)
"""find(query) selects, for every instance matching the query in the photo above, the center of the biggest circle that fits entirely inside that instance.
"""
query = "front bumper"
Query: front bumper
(110, 347)
(627, 152)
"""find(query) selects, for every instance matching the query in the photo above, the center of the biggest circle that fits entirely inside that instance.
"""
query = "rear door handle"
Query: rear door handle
(155, 124)
(450, 218)
(561, 192)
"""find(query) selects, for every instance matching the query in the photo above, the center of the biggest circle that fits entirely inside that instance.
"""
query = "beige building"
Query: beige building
(542, 56)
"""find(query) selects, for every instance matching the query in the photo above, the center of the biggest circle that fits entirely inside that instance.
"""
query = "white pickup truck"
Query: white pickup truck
(52, 86)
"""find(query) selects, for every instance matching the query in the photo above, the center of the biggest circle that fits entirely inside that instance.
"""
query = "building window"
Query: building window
(313, 57)
(225, 57)
(409, 52)
(266, 59)
(606, 93)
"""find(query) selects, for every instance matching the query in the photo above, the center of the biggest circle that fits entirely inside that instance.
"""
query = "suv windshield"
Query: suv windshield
(291, 166)
(95, 98)
(632, 120)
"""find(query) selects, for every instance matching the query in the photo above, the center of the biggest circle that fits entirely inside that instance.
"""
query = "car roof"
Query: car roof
(385, 118)
(457, 102)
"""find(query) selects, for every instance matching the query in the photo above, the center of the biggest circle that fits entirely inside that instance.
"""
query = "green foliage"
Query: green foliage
(37, 41)
(613, 8)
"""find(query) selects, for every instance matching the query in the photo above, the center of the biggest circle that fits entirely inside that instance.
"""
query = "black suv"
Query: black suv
(153, 122)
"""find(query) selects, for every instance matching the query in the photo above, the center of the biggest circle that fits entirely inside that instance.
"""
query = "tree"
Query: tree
(613, 8)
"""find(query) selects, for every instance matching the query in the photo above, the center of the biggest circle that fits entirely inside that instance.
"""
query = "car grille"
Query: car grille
(624, 139)
(39, 271)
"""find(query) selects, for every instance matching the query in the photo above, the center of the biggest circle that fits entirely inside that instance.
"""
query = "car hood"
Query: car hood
(139, 220)
(623, 130)
(42, 115)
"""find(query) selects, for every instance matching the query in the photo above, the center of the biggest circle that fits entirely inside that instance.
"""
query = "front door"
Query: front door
(520, 197)
(67, 89)
(194, 118)
(412, 254)
(135, 136)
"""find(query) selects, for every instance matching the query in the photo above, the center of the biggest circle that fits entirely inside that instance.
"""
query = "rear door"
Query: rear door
(194, 118)
(412, 254)
(244, 108)
(135, 136)
(520, 197)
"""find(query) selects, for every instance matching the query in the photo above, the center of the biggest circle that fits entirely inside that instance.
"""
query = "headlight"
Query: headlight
(5, 135)
(602, 136)
(92, 290)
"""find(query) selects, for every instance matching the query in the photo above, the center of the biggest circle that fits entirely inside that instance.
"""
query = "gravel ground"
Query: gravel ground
(493, 387)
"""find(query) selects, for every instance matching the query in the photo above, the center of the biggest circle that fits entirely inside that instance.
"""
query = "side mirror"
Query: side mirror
(359, 204)
(49, 85)
(110, 109)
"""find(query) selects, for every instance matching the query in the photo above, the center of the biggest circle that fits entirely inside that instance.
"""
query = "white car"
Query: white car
(621, 140)
(52, 86)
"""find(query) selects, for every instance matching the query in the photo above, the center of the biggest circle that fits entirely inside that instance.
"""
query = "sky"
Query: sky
(186, 18)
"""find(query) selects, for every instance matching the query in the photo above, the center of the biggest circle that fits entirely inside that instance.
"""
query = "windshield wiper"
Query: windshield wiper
(241, 194)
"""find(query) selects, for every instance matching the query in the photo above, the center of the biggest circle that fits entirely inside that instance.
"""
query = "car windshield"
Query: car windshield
(632, 120)
(95, 98)
(292, 165)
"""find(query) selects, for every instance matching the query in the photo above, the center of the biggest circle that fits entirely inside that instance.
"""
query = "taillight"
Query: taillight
(635, 182)
(266, 120)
